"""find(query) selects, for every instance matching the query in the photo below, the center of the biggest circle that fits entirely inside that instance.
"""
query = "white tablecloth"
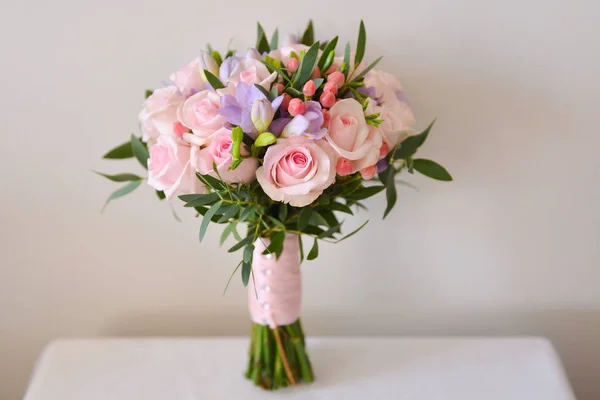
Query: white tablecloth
(345, 368)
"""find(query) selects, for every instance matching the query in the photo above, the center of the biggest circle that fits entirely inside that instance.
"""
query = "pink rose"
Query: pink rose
(188, 78)
(159, 114)
(397, 120)
(200, 113)
(350, 135)
(219, 152)
(296, 170)
(169, 168)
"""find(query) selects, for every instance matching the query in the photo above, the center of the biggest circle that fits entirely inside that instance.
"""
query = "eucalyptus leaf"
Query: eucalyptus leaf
(330, 47)
(335, 206)
(366, 70)
(130, 187)
(307, 65)
(226, 232)
(229, 213)
(140, 151)
(314, 251)
(346, 63)
(213, 80)
(304, 217)
(120, 177)
(353, 232)
(364, 193)
(308, 37)
(275, 39)
(206, 219)
(211, 181)
(361, 44)
(276, 244)
(240, 244)
(410, 145)
(246, 270)
(391, 192)
(259, 33)
(160, 194)
(263, 44)
(199, 199)
(283, 211)
(120, 152)
(278, 70)
(248, 253)
(431, 169)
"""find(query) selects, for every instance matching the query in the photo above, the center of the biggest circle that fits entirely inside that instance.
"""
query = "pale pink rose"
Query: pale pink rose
(159, 115)
(189, 78)
(219, 152)
(250, 70)
(296, 170)
(397, 121)
(200, 113)
(169, 168)
(350, 135)
(388, 90)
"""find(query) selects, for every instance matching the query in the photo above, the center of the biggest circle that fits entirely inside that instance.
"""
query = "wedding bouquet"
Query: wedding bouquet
(282, 139)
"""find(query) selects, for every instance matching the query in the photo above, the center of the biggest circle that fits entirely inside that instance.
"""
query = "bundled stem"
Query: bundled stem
(278, 357)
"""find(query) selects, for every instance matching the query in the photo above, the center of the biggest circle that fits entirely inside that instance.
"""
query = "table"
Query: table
(346, 368)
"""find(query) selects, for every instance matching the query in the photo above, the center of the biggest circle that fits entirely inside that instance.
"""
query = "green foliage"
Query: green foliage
(410, 145)
(121, 177)
(361, 44)
(130, 187)
(213, 80)
(308, 38)
(431, 169)
(122, 151)
(265, 139)
(140, 151)
(275, 39)
(307, 66)
(314, 251)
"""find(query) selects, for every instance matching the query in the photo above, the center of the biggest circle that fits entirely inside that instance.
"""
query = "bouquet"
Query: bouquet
(281, 139)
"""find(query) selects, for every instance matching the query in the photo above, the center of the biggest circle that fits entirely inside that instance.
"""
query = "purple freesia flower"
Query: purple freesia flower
(382, 165)
(309, 124)
(278, 125)
(237, 109)
(227, 67)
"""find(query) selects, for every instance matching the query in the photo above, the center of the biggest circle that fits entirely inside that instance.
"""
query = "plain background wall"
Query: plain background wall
(510, 247)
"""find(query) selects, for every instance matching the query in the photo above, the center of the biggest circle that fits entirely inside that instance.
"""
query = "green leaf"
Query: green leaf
(366, 70)
(283, 211)
(120, 177)
(240, 244)
(360, 44)
(276, 244)
(248, 213)
(390, 193)
(229, 213)
(294, 92)
(328, 61)
(248, 250)
(326, 52)
(206, 219)
(215, 54)
(231, 276)
(366, 192)
(317, 219)
(130, 187)
(431, 169)
(307, 65)
(195, 200)
(213, 80)
(314, 251)
(278, 70)
(226, 232)
(263, 44)
(353, 232)
(211, 181)
(246, 270)
(140, 151)
(160, 194)
(120, 152)
(276, 222)
(410, 145)
(236, 235)
(318, 82)
(340, 207)
(346, 63)
(329, 233)
(265, 139)
(304, 217)
(148, 93)
(308, 37)
(263, 90)
(275, 39)
(301, 248)
(260, 32)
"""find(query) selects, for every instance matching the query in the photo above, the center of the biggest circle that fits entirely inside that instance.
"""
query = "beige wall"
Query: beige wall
(511, 247)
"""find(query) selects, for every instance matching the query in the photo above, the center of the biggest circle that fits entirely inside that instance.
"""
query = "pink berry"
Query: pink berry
(326, 117)
(309, 88)
(316, 73)
(286, 101)
(331, 87)
(327, 99)
(179, 129)
(279, 87)
(337, 77)
(296, 107)
(292, 65)
(369, 172)
(343, 167)
(331, 70)
(384, 150)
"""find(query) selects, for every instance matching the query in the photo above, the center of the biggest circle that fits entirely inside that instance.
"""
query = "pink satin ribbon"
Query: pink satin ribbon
(275, 292)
